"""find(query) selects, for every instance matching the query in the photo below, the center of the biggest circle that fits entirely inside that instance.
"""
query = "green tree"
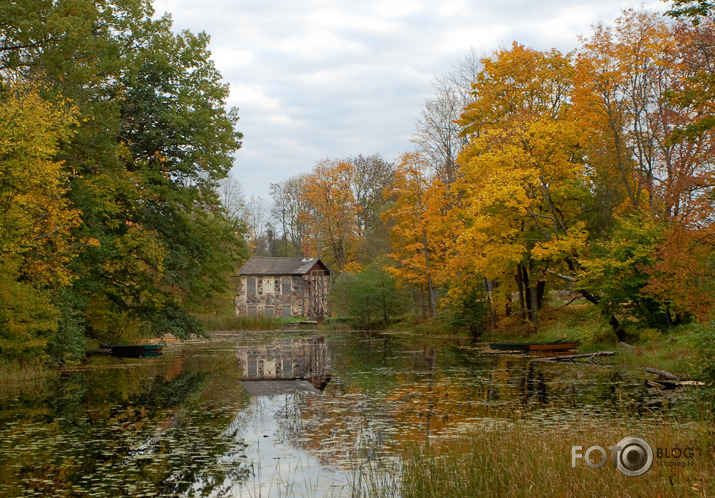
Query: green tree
(371, 295)
(154, 138)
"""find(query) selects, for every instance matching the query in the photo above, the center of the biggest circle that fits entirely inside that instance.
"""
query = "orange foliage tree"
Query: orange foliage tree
(422, 227)
(331, 216)
(642, 164)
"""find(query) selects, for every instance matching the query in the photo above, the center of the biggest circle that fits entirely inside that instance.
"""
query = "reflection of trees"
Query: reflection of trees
(116, 432)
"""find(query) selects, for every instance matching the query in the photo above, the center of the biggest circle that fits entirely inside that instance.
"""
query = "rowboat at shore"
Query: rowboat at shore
(131, 351)
(527, 347)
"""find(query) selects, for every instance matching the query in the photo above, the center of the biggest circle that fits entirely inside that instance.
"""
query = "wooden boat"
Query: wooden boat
(526, 347)
(135, 351)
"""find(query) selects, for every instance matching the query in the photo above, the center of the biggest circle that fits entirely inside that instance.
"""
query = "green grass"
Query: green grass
(675, 351)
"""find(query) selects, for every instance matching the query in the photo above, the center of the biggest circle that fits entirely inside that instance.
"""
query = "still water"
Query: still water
(218, 418)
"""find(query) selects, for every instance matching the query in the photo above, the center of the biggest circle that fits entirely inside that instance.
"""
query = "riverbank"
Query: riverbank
(679, 350)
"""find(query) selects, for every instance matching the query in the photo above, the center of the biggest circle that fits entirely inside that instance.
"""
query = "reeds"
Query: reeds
(225, 322)
(16, 372)
(524, 461)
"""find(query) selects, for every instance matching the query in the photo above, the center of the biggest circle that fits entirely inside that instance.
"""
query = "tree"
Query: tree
(371, 175)
(422, 227)
(332, 213)
(438, 135)
(288, 204)
(257, 223)
(371, 294)
(155, 137)
(695, 10)
(635, 127)
(523, 181)
(232, 200)
(35, 218)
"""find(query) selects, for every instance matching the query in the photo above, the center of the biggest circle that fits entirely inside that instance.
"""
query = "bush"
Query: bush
(369, 296)
(467, 308)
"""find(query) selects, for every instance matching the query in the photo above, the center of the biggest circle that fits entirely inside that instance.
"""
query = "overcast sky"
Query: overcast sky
(337, 78)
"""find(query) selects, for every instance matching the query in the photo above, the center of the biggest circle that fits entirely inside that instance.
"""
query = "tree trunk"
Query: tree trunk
(430, 289)
(612, 321)
(489, 286)
(522, 297)
(540, 293)
(534, 306)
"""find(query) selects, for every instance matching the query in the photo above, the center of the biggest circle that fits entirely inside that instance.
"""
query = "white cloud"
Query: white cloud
(332, 78)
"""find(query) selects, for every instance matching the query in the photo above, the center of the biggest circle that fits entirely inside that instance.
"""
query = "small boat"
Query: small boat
(526, 347)
(135, 351)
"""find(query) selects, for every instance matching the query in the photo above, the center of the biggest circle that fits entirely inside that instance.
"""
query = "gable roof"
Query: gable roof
(280, 266)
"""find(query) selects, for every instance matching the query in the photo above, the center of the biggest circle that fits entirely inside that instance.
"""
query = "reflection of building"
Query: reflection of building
(289, 359)
(283, 287)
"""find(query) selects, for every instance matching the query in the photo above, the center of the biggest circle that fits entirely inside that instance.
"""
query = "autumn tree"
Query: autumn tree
(332, 214)
(422, 228)
(36, 220)
(627, 77)
(523, 180)
(342, 201)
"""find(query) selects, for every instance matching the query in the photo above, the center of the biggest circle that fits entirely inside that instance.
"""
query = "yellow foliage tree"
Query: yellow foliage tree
(35, 218)
(523, 180)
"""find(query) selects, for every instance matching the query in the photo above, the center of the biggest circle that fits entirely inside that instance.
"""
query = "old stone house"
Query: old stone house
(283, 288)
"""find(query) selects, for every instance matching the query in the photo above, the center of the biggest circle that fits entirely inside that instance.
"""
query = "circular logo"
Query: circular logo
(635, 457)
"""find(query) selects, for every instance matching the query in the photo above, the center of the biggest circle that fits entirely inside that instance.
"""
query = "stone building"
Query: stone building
(283, 288)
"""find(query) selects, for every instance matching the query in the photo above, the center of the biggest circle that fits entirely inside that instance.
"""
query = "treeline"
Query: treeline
(590, 172)
(113, 135)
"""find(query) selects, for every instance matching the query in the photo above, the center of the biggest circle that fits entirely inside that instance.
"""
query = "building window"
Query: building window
(268, 312)
(287, 312)
(287, 284)
(250, 286)
(251, 311)
(267, 286)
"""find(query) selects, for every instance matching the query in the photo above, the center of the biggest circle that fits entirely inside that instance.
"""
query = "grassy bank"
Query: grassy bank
(677, 350)
(17, 372)
(518, 461)
(222, 322)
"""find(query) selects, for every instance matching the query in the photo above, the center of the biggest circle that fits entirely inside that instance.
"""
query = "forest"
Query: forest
(588, 173)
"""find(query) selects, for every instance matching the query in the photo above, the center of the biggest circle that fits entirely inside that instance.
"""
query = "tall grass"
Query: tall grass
(519, 461)
(20, 376)
(226, 322)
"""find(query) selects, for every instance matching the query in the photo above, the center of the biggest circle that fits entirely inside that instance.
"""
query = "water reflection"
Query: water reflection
(285, 380)
(289, 359)
(142, 429)
(186, 425)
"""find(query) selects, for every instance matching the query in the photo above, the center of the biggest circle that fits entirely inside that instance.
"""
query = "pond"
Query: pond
(217, 418)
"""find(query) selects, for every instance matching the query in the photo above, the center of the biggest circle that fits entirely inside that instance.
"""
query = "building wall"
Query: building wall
(270, 295)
